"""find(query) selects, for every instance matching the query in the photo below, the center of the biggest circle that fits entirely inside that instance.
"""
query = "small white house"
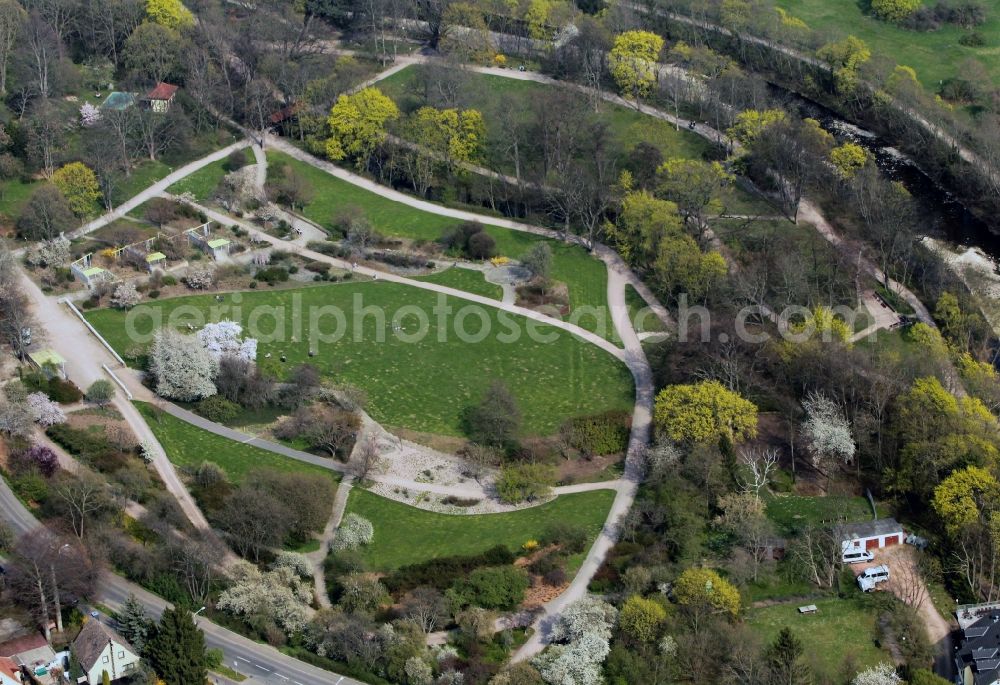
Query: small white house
(99, 649)
(857, 537)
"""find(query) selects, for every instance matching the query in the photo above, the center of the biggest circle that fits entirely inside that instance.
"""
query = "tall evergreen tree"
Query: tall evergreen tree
(133, 623)
(176, 650)
(784, 661)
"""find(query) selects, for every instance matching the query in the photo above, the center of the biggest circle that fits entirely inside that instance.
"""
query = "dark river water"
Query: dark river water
(942, 214)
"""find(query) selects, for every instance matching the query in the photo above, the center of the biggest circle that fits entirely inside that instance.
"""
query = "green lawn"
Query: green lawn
(143, 176)
(465, 279)
(793, 512)
(201, 183)
(842, 629)
(936, 55)
(187, 446)
(14, 196)
(407, 535)
(586, 277)
(424, 385)
(489, 94)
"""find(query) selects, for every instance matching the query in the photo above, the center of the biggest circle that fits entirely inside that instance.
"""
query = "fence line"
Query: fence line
(94, 331)
(118, 380)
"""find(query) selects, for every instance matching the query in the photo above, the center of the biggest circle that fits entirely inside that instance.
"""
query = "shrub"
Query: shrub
(972, 39)
(169, 280)
(153, 294)
(454, 501)
(63, 391)
(237, 159)
(36, 458)
(524, 482)
(492, 587)
(93, 448)
(470, 240)
(481, 246)
(441, 573)
(200, 279)
(354, 532)
(272, 274)
(894, 10)
(30, 486)
(100, 392)
(599, 434)
(572, 538)
(218, 409)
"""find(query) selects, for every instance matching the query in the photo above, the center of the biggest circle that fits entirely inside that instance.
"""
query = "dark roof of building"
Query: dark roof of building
(22, 644)
(284, 114)
(869, 529)
(163, 91)
(980, 649)
(92, 640)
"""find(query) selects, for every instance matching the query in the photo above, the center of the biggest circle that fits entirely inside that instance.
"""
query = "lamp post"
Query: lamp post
(194, 616)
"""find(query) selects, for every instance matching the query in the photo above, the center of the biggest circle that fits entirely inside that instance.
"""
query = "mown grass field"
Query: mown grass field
(465, 279)
(489, 94)
(424, 385)
(936, 55)
(841, 630)
(586, 277)
(187, 446)
(201, 183)
(407, 535)
(791, 513)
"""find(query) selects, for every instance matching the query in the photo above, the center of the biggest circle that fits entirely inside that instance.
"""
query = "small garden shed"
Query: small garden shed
(49, 362)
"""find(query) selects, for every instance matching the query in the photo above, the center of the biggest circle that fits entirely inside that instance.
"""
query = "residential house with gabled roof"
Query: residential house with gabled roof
(977, 661)
(30, 651)
(99, 649)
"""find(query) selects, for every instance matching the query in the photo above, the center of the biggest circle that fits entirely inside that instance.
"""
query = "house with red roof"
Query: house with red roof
(10, 673)
(161, 97)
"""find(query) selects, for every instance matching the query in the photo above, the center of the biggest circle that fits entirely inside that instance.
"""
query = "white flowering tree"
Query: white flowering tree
(55, 252)
(418, 671)
(125, 296)
(354, 532)
(882, 674)
(586, 627)
(44, 411)
(89, 115)
(280, 594)
(200, 279)
(183, 369)
(293, 561)
(223, 338)
(578, 663)
(826, 430)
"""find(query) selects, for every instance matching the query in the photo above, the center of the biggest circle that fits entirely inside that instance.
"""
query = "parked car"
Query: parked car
(857, 556)
(871, 577)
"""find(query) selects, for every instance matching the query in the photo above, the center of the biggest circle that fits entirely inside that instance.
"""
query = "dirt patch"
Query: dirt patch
(571, 471)
(442, 443)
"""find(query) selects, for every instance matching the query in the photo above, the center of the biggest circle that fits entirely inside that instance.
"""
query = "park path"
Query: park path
(809, 212)
(153, 190)
(318, 557)
(85, 356)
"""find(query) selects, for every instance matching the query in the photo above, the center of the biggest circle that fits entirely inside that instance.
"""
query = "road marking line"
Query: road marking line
(242, 659)
(262, 668)
(282, 676)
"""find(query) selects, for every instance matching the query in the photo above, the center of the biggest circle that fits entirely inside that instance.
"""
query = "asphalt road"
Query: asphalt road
(264, 663)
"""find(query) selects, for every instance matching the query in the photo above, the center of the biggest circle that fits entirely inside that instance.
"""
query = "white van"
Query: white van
(857, 556)
(871, 577)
